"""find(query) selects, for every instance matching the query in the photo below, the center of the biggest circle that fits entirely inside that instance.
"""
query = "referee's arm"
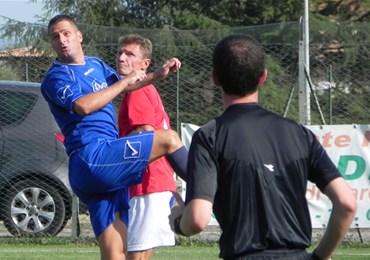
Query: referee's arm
(196, 216)
(344, 210)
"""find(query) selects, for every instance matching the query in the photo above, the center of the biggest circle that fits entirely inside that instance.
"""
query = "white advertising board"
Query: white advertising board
(349, 148)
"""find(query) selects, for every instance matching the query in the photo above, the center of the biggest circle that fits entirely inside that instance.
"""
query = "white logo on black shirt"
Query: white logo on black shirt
(270, 167)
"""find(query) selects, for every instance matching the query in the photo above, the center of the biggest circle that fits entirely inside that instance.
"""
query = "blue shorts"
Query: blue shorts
(102, 209)
(101, 172)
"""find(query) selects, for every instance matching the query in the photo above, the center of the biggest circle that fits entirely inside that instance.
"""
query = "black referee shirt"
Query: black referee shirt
(253, 165)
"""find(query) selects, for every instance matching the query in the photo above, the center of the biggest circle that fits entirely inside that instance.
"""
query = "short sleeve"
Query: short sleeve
(322, 169)
(202, 165)
(61, 90)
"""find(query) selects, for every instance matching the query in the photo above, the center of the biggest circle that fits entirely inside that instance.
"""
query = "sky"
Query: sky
(20, 10)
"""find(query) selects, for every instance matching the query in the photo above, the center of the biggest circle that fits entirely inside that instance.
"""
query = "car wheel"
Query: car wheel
(33, 208)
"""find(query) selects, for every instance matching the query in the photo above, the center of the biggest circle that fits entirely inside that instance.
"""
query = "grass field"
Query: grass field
(55, 249)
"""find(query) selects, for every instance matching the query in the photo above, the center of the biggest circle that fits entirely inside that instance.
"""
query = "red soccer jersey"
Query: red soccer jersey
(145, 107)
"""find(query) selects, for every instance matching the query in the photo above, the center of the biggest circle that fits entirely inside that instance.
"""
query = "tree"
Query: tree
(185, 15)
(189, 30)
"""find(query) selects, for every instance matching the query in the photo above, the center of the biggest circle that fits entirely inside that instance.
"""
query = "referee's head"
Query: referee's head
(239, 65)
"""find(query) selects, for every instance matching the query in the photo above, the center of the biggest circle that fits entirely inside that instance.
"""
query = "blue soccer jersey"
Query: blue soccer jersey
(64, 84)
(101, 166)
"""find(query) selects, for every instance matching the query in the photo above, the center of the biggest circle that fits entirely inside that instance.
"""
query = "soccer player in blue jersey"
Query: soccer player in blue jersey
(79, 90)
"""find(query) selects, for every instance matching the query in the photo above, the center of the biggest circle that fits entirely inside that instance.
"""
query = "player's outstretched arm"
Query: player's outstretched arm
(170, 66)
(96, 100)
(135, 80)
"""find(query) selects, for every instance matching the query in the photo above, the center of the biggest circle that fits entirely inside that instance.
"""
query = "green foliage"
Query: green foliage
(7, 73)
(355, 10)
(108, 13)
(187, 21)
(25, 34)
(190, 30)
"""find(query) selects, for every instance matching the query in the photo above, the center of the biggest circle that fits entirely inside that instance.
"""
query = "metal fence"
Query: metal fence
(35, 194)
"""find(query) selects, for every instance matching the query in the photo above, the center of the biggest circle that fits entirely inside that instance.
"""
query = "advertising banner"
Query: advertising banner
(349, 148)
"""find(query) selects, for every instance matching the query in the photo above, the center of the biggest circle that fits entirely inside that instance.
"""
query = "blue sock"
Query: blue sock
(179, 161)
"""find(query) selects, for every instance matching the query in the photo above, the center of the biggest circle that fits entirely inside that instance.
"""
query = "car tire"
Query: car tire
(33, 208)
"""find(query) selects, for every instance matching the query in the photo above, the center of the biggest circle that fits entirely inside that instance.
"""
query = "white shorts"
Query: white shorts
(148, 222)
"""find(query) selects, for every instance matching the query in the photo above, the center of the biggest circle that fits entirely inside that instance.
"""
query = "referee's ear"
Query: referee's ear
(263, 78)
(215, 78)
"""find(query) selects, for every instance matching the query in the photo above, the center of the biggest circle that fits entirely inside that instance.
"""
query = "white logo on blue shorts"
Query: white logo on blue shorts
(132, 149)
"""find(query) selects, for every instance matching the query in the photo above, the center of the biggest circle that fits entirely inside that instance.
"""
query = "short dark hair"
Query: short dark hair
(145, 44)
(239, 62)
(61, 17)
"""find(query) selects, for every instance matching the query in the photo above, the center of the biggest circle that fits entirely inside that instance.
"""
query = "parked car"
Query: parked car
(35, 195)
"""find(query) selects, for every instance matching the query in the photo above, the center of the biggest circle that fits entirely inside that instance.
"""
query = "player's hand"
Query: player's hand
(178, 200)
(171, 65)
(135, 76)
(176, 210)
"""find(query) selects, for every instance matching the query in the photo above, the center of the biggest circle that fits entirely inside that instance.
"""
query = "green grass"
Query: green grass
(64, 248)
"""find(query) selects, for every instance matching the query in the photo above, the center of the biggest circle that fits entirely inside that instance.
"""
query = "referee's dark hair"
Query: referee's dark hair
(238, 62)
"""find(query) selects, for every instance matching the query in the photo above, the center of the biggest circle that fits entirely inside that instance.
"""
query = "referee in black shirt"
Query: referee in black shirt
(250, 167)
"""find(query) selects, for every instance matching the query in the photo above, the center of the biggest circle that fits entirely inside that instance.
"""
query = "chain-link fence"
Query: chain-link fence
(34, 191)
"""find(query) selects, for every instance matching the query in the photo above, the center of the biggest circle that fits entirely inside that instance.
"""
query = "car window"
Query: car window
(15, 106)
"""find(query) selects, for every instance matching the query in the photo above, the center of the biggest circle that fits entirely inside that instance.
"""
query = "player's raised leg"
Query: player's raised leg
(168, 142)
